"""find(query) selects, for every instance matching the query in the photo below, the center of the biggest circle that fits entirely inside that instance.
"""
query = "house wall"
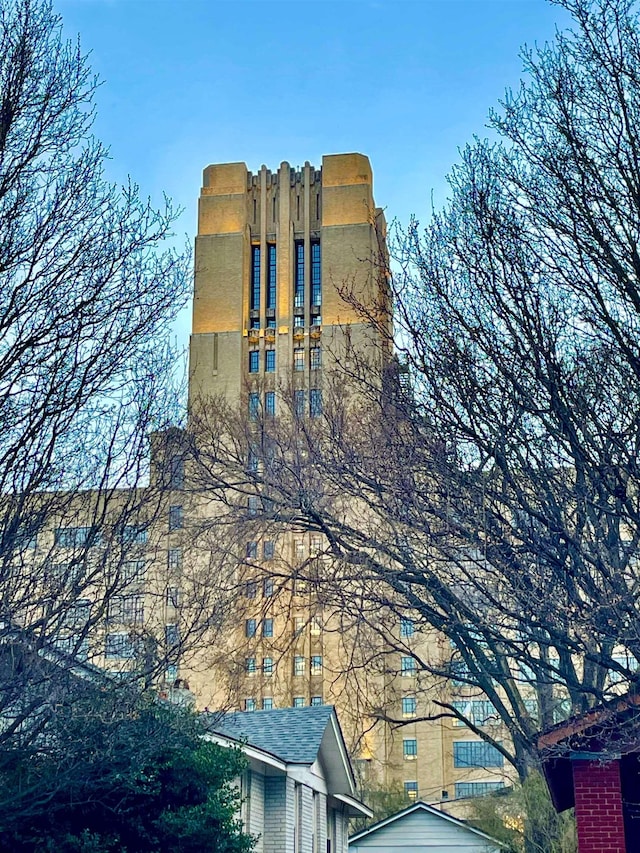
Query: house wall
(257, 813)
(598, 797)
(285, 828)
(278, 823)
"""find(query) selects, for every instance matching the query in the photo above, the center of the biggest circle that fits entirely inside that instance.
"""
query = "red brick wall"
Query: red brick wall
(599, 816)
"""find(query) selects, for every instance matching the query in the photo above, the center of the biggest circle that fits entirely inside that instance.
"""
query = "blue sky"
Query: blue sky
(407, 82)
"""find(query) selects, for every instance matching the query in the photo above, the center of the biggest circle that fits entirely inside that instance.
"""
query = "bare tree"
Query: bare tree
(87, 296)
(486, 485)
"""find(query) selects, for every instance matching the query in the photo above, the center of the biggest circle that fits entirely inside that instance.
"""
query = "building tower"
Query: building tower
(274, 253)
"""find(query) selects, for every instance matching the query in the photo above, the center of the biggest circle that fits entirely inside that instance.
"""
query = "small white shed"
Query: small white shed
(420, 828)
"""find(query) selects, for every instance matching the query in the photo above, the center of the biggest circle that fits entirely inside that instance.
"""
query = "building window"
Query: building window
(254, 405)
(299, 665)
(252, 550)
(315, 701)
(249, 704)
(315, 355)
(250, 628)
(270, 403)
(250, 666)
(127, 608)
(173, 597)
(298, 701)
(316, 664)
(77, 616)
(65, 573)
(271, 322)
(75, 537)
(411, 790)
(171, 636)
(254, 323)
(408, 706)
(407, 666)
(251, 589)
(479, 712)
(174, 559)
(476, 789)
(133, 570)
(119, 646)
(460, 674)
(531, 706)
(72, 645)
(406, 628)
(476, 753)
(268, 549)
(255, 278)
(315, 402)
(298, 551)
(298, 625)
(254, 361)
(298, 403)
(267, 628)
(267, 667)
(315, 627)
(176, 517)
(298, 297)
(298, 359)
(253, 505)
(176, 473)
(133, 534)
(410, 748)
(253, 461)
(316, 275)
(271, 276)
(267, 587)
(267, 703)
(270, 360)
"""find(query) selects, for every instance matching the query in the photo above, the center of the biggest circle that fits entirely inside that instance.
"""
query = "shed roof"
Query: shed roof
(425, 808)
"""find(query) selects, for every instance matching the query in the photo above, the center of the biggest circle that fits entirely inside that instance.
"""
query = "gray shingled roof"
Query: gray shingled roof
(291, 734)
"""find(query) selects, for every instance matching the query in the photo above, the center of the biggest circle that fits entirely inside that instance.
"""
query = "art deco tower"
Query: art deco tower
(272, 253)
(276, 252)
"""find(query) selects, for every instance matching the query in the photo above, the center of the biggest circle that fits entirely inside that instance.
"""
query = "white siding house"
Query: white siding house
(298, 789)
(422, 829)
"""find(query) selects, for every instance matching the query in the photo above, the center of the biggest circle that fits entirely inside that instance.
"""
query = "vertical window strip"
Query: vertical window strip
(316, 275)
(270, 403)
(299, 277)
(255, 278)
(271, 277)
(315, 402)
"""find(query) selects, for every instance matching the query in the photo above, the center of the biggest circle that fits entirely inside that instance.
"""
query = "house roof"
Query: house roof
(424, 807)
(302, 736)
(292, 734)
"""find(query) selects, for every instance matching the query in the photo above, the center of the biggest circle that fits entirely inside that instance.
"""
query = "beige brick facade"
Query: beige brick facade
(273, 252)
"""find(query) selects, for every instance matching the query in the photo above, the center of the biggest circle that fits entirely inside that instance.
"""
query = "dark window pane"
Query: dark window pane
(316, 279)
(271, 276)
(255, 278)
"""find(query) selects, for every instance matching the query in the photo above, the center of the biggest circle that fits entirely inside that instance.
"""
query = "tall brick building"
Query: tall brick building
(273, 253)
